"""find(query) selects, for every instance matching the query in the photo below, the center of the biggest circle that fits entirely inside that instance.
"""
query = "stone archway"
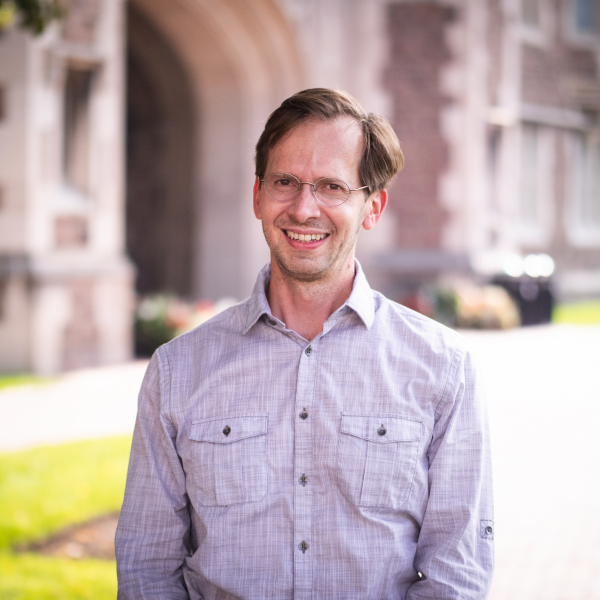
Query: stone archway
(224, 66)
(160, 125)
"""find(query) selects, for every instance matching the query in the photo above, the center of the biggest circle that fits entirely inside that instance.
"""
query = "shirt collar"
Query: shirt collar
(360, 299)
(258, 305)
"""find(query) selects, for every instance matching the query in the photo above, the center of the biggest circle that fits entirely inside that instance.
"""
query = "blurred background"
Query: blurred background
(127, 132)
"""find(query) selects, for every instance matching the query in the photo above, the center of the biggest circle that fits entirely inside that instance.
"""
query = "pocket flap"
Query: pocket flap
(226, 430)
(381, 429)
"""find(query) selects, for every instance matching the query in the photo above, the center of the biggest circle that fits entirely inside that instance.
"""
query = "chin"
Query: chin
(301, 270)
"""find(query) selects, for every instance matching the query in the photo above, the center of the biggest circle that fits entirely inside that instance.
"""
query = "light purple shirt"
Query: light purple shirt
(265, 467)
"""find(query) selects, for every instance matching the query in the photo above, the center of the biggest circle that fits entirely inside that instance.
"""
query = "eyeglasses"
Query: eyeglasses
(284, 187)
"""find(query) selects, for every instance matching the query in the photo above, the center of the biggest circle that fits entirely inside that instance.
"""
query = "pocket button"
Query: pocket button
(382, 430)
(226, 430)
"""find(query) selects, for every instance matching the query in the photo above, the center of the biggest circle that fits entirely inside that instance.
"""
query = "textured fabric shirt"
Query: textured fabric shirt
(266, 467)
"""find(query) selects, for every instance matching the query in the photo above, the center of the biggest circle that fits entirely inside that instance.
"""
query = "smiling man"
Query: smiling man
(317, 440)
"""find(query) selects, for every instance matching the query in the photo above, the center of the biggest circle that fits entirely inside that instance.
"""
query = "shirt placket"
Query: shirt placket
(303, 475)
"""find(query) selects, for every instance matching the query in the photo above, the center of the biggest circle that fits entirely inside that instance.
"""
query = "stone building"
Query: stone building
(127, 133)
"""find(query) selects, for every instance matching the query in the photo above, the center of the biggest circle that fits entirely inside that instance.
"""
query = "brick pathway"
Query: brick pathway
(82, 404)
(543, 387)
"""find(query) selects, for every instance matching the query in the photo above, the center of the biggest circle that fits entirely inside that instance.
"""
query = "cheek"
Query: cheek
(355, 219)
(273, 217)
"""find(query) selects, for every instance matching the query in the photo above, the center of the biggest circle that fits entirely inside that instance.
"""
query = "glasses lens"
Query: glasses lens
(331, 191)
(281, 186)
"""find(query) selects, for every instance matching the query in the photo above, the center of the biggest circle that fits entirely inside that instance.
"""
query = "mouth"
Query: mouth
(305, 238)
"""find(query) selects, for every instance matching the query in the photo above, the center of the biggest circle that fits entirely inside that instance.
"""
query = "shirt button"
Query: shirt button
(303, 546)
(303, 414)
(382, 430)
(489, 530)
(226, 430)
(308, 351)
(303, 480)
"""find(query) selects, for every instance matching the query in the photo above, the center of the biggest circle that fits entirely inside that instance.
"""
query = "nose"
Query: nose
(305, 206)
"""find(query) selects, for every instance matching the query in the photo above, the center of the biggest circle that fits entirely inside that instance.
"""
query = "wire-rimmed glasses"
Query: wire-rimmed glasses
(284, 187)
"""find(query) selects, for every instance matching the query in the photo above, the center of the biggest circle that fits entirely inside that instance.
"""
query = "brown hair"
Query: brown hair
(382, 157)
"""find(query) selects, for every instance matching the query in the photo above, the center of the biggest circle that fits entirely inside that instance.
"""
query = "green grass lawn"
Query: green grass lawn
(35, 577)
(43, 490)
(13, 379)
(578, 313)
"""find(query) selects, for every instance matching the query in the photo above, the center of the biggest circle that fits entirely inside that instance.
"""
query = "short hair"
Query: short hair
(382, 157)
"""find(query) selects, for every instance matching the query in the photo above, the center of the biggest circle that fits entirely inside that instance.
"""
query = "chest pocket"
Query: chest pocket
(377, 457)
(229, 460)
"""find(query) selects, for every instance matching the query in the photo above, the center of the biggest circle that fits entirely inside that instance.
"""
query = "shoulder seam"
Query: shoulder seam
(165, 386)
(411, 314)
(451, 371)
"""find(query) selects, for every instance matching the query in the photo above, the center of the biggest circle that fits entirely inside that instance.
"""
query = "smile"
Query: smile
(306, 237)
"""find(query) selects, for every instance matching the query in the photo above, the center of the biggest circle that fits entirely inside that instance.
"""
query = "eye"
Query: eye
(281, 180)
(332, 186)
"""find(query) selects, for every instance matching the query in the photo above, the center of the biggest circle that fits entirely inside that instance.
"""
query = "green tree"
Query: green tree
(33, 15)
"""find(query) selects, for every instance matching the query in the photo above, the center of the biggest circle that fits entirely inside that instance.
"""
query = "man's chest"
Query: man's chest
(322, 417)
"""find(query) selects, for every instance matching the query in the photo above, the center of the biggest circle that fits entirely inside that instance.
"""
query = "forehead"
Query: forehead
(318, 148)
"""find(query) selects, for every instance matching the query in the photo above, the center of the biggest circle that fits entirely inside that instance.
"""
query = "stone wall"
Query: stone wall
(418, 54)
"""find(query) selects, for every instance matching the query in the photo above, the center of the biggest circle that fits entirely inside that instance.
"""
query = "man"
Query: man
(317, 440)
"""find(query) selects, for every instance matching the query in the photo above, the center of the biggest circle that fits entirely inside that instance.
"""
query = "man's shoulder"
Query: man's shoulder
(411, 328)
(213, 333)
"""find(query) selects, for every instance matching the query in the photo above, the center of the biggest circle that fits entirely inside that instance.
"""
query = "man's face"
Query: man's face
(311, 151)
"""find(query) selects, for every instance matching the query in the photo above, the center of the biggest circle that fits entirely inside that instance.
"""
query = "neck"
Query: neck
(304, 306)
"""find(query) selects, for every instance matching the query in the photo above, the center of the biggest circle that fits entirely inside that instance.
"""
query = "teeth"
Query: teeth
(308, 237)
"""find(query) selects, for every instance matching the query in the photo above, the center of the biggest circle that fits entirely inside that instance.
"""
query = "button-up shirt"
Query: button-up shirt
(267, 467)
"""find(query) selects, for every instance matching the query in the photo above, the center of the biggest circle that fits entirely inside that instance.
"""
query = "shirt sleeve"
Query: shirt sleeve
(152, 539)
(455, 555)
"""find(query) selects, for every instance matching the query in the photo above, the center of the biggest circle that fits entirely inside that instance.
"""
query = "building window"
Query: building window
(586, 16)
(536, 197)
(584, 189)
(76, 133)
(528, 208)
(536, 22)
(530, 13)
(494, 149)
(71, 231)
(2, 104)
(3, 286)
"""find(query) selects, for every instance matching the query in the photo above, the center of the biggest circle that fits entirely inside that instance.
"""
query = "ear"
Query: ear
(256, 200)
(377, 203)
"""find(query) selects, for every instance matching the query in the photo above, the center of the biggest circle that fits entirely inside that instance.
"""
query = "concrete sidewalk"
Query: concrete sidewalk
(79, 405)
(543, 387)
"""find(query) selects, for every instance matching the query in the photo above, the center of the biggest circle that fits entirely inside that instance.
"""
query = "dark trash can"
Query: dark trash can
(533, 295)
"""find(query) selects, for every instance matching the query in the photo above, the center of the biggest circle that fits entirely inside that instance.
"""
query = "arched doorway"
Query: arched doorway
(203, 78)
(160, 129)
